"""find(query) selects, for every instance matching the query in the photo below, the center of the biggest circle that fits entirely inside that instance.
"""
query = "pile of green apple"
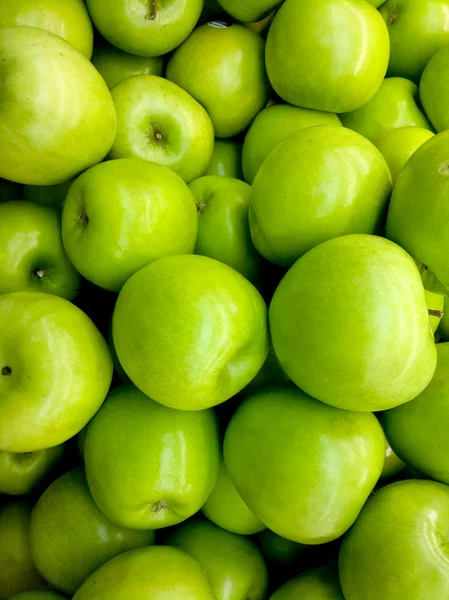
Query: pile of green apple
(224, 272)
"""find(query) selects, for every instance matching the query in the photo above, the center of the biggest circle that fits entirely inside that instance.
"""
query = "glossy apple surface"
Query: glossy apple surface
(32, 256)
(342, 187)
(398, 145)
(149, 28)
(316, 584)
(395, 104)
(273, 125)
(417, 29)
(411, 222)
(55, 370)
(48, 133)
(226, 159)
(67, 18)
(198, 335)
(225, 507)
(149, 466)
(400, 533)
(114, 65)
(324, 462)
(17, 572)
(337, 63)
(233, 564)
(223, 225)
(69, 536)
(224, 69)
(158, 121)
(122, 215)
(21, 473)
(48, 195)
(159, 572)
(350, 325)
(434, 89)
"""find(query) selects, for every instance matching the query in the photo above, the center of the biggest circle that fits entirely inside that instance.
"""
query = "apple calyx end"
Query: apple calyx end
(6, 371)
(39, 273)
(158, 506)
(201, 208)
(82, 220)
(392, 18)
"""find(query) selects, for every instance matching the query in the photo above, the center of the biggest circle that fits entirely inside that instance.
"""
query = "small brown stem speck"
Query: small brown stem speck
(436, 313)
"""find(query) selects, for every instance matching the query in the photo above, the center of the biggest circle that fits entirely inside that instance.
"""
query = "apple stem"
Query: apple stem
(6, 371)
(154, 10)
(436, 313)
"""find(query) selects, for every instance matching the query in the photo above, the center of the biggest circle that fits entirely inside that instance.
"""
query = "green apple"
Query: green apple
(55, 371)
(223, 68)
(272, 126)
(57, 117)
(350, 325)
(249, 11)
(398, 145)
(32, 256)
(159, 122)
(338, 60)
(226, 159)
(149, 28)
(69, 536)
(392, 465)
(376, 3)
(417, 431)
(48, 195)
(68, 19)
(434, 88)
(198, 333)
(342, 187)
(17, 572)
(9, 190)
(149, 466)
(39, 595)
(395, 104)
(324, 461)
(225, 507)
(282, 555)
(156, 573)
(419, 207)
(123, 214)
(223, 226)
(232, 563)
(263, 25)
(114, 65)
(320, 583)
(397, 548)
(21, 473)
(417, 29)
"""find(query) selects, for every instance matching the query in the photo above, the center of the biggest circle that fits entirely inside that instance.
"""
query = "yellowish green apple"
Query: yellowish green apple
(320, 583)
(55, 371)
(48, 195)
(226, 159)
(223, 67)
(434, 88)
(350, 325)
(249, 11)
(49, 133)
(343, 186)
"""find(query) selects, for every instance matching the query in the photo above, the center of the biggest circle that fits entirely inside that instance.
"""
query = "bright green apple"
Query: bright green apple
(417, 29)
(48, 195)
(398, 145)
(69, 536)
(149, 28)
(158, 121)
(272, 126)
(417, 431)
(392, 465)
(226, 159)
(55, 371)
(32, 256)
(198, 333)
(350, 325)
(320, 583)
(395, 104)
(21, 473)
(342, 187)
(156, 573)
(397, 548)
(376, 3)
(419, 207)
(9, 190)
(304, 469)
(249, 11)
(123, 214)
(223, 68)
(39, 595)
(57, 117)
(223, 226)
(232, 563)
(68, 19)
(17, 572)
(114, 65)
(329, 55)
(225, 507)
(149, 466)
(434, 88)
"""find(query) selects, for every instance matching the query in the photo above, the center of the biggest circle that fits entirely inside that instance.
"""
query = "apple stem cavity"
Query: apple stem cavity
(6, 371)
(82, 219)
(201, 208)
(436, 313)
(39, 273)
(158, 506)
(392, 19)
